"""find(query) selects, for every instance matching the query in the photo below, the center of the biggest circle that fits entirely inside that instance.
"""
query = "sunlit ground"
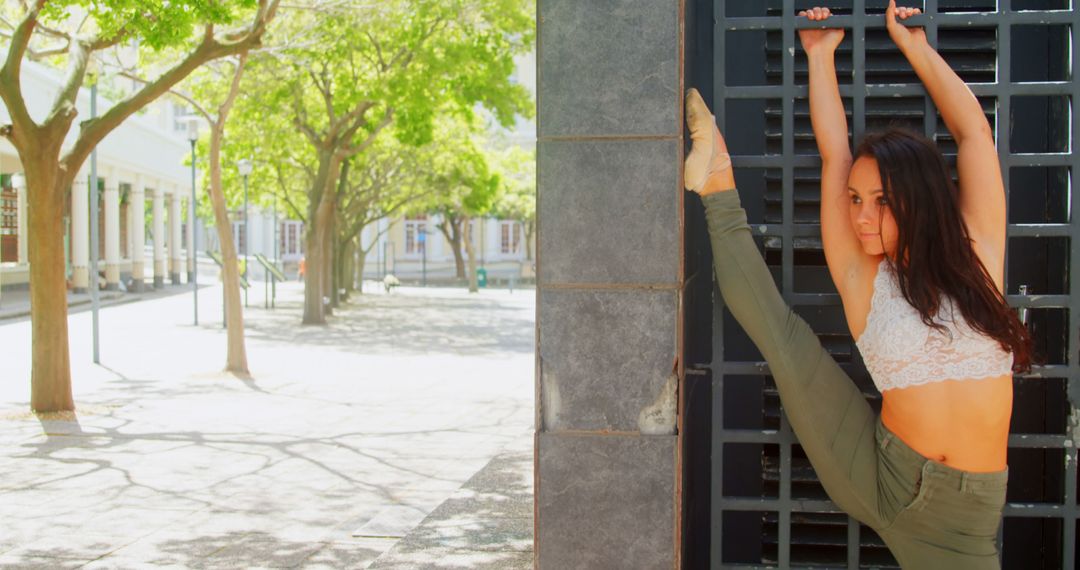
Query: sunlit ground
(346, 438)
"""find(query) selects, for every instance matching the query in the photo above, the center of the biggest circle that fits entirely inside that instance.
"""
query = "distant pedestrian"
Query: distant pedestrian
(300, 272)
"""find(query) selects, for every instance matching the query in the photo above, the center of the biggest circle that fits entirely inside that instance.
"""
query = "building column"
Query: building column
(608, 464)
(80, 233)
(137, 233)
(175, 257)
(22, 227)
(191, 253)
(112, 233)
(158, 213)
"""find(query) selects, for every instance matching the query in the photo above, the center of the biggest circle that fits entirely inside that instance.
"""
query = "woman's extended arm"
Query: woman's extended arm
(843, 252)
(982, 192)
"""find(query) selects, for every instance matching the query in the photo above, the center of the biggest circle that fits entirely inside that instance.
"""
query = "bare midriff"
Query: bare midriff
(961, 423)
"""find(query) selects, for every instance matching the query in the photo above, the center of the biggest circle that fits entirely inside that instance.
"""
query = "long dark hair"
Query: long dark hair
(933, 251)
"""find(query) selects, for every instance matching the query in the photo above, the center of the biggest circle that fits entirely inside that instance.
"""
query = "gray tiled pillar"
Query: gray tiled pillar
(610, 283)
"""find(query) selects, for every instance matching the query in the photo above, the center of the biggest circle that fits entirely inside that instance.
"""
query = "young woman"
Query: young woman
(919, 267)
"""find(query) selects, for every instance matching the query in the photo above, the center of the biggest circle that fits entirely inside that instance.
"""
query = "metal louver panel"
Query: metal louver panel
(768, 509)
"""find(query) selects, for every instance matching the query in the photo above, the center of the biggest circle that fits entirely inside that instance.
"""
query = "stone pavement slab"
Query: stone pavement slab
(167, 462)
(487, 523)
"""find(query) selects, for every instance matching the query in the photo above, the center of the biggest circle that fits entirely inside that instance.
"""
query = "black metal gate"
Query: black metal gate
(765, 507)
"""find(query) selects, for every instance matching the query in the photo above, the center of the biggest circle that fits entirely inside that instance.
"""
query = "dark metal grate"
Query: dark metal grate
(760, 98)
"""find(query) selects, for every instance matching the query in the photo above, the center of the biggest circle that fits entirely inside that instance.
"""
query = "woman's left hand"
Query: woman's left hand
(903, 36)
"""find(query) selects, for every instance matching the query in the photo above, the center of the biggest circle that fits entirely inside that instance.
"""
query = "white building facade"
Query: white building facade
(503, 249)
(413, 247)
(144, 193)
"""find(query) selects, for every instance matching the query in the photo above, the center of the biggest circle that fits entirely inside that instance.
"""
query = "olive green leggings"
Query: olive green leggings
(930, 515)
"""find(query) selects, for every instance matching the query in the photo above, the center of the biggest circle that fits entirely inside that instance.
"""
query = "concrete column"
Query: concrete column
(158, 214)
(191, 253)
(80, 232)
(137, 215)
(112, 233)
(175, 256)
(23, 224)
(608, 469)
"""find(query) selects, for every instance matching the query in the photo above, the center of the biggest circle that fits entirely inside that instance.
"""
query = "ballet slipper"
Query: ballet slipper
(706, 156)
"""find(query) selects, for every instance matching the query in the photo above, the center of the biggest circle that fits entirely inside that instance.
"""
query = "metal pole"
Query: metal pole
(423, 249)
(247, 239)
(273, 280)
(194, 240)
(95, 302)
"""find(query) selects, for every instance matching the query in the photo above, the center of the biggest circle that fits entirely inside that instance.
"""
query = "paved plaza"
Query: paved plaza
(399, 436)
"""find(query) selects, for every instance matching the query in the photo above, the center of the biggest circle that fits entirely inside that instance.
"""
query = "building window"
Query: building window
(239, 237)
(414, 227)
(291, 245)
(509, 238)
(9, 220)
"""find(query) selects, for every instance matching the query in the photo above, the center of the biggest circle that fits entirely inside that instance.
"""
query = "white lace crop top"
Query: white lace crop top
(901, 351)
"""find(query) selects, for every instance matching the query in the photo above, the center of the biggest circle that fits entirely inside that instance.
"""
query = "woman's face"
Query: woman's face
(870, 215)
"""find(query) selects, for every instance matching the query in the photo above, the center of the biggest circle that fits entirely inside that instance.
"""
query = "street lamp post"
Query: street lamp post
(273, 281)
(423, 250)
(193, 137)
(244, 166)
(95, 301)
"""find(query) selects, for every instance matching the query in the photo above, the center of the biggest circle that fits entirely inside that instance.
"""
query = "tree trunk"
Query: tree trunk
(50, 373)
(316, 232)
(236, 358)
(330, 270)
(451, 229)
(471, 251)
(313, 307)
(347, 268)
(361, 259)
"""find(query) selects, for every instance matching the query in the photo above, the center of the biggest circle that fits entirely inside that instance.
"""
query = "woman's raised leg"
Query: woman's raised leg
(828, 413)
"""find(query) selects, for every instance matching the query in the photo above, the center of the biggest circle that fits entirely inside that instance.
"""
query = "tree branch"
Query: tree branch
(234, 90)
(10, 82)
(94, 130)
(280, 176)
(64, 107)
(351, 150)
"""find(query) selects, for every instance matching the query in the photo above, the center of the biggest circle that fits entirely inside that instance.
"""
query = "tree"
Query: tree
(349, 76)
(71, 32)
(465, 187)
(219, 86)
(380, 183)
(517, 169)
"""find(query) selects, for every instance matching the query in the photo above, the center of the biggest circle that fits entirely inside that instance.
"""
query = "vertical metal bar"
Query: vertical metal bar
(929, 110)
(787, 258)
(858, 128)
(788, 149)
(853, 544)
(1003, 109)
(1069, 523)
(719, 67)
(858, 77)
(716, 516)
(1068, 555)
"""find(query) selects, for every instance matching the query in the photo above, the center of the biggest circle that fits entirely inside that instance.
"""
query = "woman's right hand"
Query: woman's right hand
(820, 40)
